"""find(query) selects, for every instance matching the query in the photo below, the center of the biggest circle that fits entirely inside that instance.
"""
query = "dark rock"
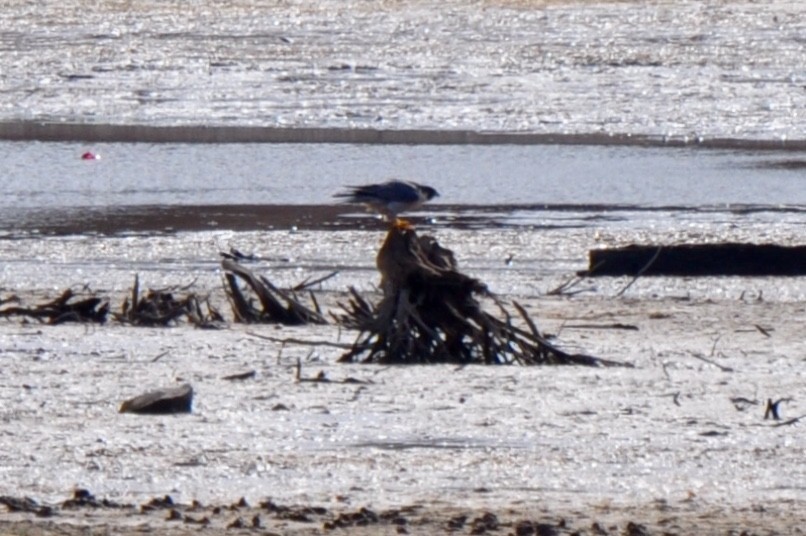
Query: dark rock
(190, 520)
(545, 529)
(82, 498)
(161, 401)
(484, 523)
(634, 529)
(239, 523)
(524, 528)
(457, 522)
(158, 503)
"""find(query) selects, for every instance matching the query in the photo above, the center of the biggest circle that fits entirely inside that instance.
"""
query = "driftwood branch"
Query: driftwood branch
(166, 307)
(276, 305)
(68, 307)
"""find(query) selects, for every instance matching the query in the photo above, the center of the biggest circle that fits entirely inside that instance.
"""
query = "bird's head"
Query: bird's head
(428, 192)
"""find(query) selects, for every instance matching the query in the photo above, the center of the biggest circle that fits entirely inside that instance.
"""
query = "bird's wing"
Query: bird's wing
(397, 191)
(392, 191)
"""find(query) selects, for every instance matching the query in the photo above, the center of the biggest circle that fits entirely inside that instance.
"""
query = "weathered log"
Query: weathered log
(161, 401)
(723, 259)
(432, 313)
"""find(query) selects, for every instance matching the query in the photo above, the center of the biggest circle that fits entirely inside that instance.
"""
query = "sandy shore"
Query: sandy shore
(676, 445)
(133, 133)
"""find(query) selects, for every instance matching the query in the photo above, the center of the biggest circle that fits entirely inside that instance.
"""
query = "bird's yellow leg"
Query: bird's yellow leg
(401, 224)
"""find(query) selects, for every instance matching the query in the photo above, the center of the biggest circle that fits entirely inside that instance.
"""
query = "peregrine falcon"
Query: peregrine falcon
(390, 198)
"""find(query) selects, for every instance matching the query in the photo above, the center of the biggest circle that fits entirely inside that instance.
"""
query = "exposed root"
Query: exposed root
(432, 313)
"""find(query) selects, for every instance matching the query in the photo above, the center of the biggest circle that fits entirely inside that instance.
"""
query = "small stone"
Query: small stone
(165, 401)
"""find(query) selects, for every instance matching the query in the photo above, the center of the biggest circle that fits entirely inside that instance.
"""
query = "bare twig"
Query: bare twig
(710, 362)
(763, 331)
(790, 421)
(565, 287)
(641, 271)
(713, 347)
(616, 325)
(307, 284)
(302, 342)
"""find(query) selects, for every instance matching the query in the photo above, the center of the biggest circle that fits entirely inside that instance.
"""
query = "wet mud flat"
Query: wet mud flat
(679, 444)
(177, 218)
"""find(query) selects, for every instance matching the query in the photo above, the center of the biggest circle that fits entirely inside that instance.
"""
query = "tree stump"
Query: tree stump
(432, 313)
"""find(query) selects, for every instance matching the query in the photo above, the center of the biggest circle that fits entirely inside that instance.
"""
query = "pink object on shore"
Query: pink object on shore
(90, 156)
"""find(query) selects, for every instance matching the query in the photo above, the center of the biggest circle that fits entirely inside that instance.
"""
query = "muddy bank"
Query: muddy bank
(169, 219)
(133, 133)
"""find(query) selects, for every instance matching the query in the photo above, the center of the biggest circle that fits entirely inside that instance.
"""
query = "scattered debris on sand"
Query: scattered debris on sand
(430, 311)
(165, 307)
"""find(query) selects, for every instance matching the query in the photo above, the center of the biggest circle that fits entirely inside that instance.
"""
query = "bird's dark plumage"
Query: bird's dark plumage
(391, 198)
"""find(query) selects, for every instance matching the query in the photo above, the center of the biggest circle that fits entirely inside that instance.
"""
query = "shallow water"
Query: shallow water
(46, 175)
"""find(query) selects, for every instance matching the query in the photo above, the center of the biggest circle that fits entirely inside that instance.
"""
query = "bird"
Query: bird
(390, 198)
